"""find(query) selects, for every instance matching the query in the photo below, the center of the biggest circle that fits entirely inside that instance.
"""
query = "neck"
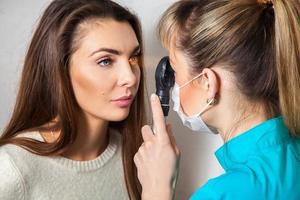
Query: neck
(237, 122)
(92, 139)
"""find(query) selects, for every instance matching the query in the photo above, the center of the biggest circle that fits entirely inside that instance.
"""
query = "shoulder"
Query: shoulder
(31, 135)
(19, 155)
(12, 184)
(241, 184)
(17, 166)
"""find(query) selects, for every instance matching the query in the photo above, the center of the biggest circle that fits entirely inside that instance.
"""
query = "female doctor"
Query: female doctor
(237, 69)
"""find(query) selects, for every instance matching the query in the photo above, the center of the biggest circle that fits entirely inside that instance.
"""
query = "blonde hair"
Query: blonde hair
(259, 40)
(287, 35)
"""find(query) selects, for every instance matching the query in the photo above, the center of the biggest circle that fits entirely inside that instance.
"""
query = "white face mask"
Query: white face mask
(195, 123)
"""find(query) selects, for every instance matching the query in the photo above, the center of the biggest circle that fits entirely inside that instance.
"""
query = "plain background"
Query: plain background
(18, 19)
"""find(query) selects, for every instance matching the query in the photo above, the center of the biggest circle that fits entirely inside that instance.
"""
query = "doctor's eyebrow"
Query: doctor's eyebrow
(136, 51)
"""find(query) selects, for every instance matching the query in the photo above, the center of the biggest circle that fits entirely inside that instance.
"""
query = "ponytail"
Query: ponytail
(287, 44)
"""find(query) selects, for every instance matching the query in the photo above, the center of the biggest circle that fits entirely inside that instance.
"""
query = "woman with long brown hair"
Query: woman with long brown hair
(237, 69)
(76, 123)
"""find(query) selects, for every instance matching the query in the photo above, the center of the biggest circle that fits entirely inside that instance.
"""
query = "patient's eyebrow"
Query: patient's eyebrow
(112, 51)
(136, 50)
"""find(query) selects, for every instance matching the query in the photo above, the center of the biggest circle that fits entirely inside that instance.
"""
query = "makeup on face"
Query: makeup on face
(105, 70)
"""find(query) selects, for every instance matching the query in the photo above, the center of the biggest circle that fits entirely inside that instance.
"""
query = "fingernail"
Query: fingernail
(153, 97)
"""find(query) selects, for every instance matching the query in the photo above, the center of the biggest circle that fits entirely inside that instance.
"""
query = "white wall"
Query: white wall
(18, 19)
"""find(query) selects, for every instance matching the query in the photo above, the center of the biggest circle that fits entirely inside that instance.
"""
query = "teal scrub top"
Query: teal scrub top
(262, 163)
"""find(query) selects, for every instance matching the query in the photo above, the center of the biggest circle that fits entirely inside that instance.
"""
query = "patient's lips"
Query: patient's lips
(123, 101)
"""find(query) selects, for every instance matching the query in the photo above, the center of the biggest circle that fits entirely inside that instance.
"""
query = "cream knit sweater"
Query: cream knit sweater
(25, 176)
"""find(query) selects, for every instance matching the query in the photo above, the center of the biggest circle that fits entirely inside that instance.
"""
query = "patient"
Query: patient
(77, 119)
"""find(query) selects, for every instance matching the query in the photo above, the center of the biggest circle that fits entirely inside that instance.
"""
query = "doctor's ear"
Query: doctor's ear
(210, 82)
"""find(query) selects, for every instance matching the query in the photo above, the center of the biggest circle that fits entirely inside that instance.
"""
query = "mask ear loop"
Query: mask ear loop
(190, 81)
(210, 102)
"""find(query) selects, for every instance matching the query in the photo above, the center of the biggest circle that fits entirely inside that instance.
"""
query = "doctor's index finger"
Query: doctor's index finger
(158, 118)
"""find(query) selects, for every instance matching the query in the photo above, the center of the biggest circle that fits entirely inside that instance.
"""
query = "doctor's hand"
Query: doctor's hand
(157, 159)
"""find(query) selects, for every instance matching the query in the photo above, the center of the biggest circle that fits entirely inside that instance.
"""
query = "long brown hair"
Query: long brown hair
(258, 40)
(46, 92)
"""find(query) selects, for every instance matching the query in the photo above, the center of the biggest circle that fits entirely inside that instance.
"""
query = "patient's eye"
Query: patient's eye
(105, 62)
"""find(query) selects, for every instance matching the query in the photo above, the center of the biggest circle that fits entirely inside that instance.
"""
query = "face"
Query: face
(192, 96)
(104, 69)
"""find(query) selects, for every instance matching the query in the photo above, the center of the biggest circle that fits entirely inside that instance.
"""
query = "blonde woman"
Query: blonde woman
(237, 69)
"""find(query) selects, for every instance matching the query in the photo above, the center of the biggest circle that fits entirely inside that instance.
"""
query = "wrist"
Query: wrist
(159, 194)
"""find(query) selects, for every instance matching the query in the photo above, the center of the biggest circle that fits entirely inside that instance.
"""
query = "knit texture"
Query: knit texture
(24, 175)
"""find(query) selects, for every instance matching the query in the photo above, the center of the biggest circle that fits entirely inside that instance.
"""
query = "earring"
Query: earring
(212, 101)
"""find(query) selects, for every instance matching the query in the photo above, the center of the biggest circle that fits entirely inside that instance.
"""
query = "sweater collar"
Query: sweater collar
(100, 161)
